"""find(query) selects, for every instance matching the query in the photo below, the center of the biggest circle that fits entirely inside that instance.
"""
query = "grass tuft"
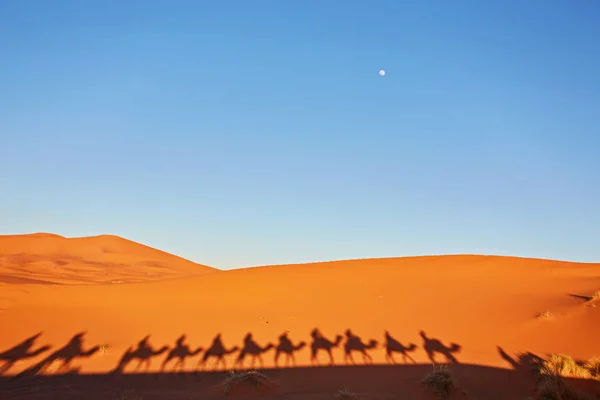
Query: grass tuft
(593, 365)
(254, 379)
(555, 388)
(564, 366)
(440, 382)
(547, 315)
(346, 394)
(103, 348)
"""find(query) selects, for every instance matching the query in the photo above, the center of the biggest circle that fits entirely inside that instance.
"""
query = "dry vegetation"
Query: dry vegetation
(593, 365)
(567, 367)
(346, 394)
(545, 315)
(555, 388)
(551, 372)
(254, 379)
(440, 382)
(564, 366)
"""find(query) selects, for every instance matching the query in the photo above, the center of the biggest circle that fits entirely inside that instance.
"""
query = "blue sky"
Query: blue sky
(238, 133)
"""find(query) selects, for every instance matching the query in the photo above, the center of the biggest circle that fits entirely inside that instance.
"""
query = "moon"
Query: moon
(381, 72)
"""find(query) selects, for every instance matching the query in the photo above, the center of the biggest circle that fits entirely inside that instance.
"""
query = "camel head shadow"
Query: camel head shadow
(433, 346)
(392, 346)
(320, 342)
(20, 352)
(180, 352)
(64, 356)
(143, 353)
(252, 349)
(355, 344)
(286, 346)
(218, 351)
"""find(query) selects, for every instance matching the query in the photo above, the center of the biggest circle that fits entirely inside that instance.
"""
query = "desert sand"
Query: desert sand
(112, 311)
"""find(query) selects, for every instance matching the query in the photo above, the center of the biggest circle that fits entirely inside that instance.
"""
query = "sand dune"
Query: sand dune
(465, 310)
(49, 258)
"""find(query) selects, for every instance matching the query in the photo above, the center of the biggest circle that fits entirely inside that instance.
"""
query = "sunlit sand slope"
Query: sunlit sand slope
(48, 258)
(457, 309)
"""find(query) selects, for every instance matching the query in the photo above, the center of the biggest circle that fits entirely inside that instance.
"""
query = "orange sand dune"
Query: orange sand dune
(469, 310)
(49, 258)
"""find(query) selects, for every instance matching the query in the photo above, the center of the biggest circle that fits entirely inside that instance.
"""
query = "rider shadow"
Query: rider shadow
(433, 346)
(180, 352)
(524, 361)
(20, 352)
(320, 342)
(286, 347)
(216, 350)
(354, 343)
(252, 349)
(394, 346)
(143, 353)
(65, 355)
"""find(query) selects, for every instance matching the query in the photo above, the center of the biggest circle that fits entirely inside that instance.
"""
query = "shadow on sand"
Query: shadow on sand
(381, 381)
(63, 357)
(21, 352)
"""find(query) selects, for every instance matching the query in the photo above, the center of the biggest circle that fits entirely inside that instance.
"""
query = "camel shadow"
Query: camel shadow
(319, 343)
(180, 352)
(286, 347)
(65, 355)
(253, 349)
(354, 343)
(394, 346)
(143, 353)
(216, 350)
(20, 352)
(433, 346)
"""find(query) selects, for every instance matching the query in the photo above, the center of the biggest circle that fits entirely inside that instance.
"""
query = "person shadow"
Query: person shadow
(65, 355)
(286, 347)
(20, 352)
(524, 361)
(434, 346)
(216, 350)
(355, 343)
(320, 342)
(180, 352)
(394, 346)
(252, 349)
(143, 353)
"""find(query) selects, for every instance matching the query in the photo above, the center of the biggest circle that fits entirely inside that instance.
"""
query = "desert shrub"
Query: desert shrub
(253, 379)
(533, 362)
(593, 366)
(565, 366)
(545, 315)
(553, 387)
(346, 394)
(440, 382)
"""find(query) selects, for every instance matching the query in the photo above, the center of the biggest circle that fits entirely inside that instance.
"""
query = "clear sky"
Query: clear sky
(239, 133)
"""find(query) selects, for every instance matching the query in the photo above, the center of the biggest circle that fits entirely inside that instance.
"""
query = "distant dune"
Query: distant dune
(49, 258)
(462, 310)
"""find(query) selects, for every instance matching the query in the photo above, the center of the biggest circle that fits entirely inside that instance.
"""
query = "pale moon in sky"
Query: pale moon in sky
(381, 72)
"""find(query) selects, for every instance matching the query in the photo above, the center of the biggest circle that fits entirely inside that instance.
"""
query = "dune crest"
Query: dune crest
(51, 258)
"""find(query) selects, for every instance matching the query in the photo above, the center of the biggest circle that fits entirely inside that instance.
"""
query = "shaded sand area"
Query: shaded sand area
(373, 326)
